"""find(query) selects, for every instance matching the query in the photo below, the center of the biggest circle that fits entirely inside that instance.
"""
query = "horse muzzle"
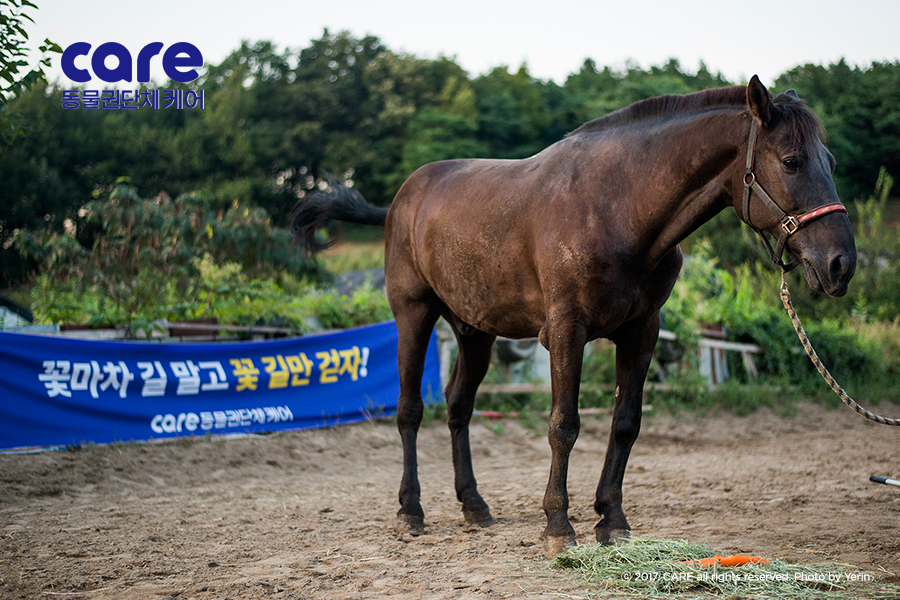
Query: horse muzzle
(830, 274)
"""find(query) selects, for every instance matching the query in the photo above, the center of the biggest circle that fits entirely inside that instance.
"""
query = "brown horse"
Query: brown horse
(581, 242)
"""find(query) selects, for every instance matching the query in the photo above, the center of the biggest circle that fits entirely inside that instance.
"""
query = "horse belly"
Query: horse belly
(504, 304)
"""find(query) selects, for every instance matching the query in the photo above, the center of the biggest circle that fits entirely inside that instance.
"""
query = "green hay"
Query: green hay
(652, 567)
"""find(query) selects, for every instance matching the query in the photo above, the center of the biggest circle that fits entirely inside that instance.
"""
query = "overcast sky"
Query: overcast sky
(738, 39)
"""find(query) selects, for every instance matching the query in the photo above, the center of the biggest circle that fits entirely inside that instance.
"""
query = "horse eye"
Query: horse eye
(791, 164)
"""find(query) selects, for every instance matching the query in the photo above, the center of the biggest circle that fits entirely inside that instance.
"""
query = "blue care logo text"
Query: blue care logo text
(113, 63)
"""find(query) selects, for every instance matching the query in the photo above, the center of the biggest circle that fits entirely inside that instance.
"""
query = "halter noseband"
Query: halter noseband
(789, 224)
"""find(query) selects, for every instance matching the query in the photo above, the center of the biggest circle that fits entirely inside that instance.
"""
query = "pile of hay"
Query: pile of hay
(653, 567)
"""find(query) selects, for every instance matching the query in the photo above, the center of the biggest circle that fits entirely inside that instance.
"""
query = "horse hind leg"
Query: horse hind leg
(468, 372)
(415, 320)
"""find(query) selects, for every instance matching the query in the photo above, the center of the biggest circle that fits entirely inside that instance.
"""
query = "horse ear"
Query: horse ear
(758, 101)
(792, 94)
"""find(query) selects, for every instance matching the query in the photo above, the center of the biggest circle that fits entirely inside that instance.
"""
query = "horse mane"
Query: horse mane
(805, 125)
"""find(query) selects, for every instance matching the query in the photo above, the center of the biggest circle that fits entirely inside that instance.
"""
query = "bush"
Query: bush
(144, 260)
(848, 347)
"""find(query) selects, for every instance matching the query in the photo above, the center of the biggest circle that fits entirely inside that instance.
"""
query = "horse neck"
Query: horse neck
(694, 165)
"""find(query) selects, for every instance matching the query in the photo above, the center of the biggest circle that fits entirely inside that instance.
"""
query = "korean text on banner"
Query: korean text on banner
(56, 391)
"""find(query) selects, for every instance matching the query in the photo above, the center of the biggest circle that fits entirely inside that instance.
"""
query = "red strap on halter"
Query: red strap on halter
(821, 211)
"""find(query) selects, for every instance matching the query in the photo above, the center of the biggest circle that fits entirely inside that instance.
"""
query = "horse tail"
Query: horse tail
(337, 202)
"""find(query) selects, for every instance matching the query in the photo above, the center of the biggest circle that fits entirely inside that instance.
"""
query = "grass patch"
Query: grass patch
(348, 256)
(649, 567)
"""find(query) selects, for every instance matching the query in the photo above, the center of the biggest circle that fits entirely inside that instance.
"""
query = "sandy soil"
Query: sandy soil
(308, 514)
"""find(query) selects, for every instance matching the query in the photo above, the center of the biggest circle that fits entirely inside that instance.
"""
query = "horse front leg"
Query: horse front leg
(634, 348)
(566, 345)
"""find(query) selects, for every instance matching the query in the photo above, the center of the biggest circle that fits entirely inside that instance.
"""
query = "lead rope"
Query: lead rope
(786, 300)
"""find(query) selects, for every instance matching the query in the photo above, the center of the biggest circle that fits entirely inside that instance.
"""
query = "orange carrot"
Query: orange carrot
(735, 560)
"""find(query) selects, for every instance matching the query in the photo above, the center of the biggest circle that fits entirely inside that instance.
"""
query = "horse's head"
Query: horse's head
(786, 189)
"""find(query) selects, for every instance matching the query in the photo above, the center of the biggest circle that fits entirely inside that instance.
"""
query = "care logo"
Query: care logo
(179, 61)
(182, 55)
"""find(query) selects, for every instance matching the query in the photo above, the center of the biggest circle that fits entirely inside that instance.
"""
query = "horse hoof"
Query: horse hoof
(481, 517)
(611, 537)
(554, 544)
(411, 524)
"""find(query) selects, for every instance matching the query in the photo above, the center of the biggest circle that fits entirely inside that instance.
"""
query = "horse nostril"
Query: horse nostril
(837, 268)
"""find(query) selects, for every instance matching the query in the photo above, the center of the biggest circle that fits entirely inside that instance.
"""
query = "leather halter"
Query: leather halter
(790, 224)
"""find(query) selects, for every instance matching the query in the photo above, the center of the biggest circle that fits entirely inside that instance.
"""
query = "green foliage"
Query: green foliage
(876, 285)
(516, 113)
(599, 364)
(738, 300)
(228, 294)
(132, 259)
(729, 239)
(883, 338)
(436, 135)
(13, 52)
(220, 291)
(344, 258)
(335, 311)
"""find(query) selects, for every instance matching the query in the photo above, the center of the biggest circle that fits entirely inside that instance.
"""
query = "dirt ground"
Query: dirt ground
(308, 514)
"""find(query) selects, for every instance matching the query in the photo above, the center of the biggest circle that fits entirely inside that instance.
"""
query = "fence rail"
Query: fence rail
(709, 342)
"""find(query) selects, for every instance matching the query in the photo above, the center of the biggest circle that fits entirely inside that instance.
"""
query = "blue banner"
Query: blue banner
(57, 391)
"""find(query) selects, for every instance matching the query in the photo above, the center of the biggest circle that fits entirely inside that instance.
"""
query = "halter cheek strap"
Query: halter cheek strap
(790, 224)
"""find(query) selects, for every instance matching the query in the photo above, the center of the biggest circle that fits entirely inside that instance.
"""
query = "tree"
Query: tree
(514, 113)
(446, 129)
(13, 51)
